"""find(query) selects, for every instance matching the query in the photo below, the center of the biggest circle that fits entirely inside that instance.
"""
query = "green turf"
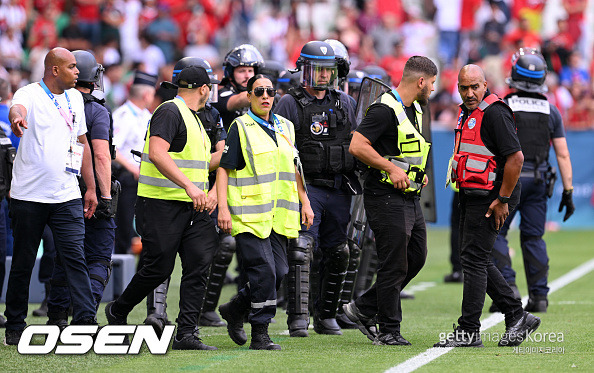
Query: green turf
(432, 312)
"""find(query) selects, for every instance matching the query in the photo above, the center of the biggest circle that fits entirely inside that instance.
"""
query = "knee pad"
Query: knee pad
(300, 249)
(337, 258)
(227, 247)
(104, 266)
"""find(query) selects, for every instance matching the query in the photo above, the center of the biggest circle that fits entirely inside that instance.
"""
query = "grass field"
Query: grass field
(436, 307)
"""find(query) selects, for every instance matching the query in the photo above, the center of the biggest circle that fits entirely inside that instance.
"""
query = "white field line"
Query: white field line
(433, 353)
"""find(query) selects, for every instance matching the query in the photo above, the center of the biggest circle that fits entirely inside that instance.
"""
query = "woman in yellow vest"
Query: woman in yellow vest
(259, 190)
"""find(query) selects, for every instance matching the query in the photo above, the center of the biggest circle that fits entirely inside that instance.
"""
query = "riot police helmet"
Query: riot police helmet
(354, 80)
(90, 73)
(287, 80)
(193, 61)
(342, 57)
(376, 72)
(272, 69)
(243, 55)
(318, 66)
(529, 71)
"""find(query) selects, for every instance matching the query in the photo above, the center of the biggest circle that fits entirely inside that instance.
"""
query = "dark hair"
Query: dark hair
(253, 79)
(419, 66)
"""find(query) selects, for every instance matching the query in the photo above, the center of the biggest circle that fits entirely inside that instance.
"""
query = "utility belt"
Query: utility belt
(549, 177)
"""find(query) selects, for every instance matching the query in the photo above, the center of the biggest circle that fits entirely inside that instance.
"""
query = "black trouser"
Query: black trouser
(66, 221)
(455, 234)
(168, 228)
(125, 214)
(477, 236)
(265, 264)
(401, 239)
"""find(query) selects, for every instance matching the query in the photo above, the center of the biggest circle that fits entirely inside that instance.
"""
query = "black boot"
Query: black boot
(233, 312)
(42, 310)
(58, 317)
(261, 340)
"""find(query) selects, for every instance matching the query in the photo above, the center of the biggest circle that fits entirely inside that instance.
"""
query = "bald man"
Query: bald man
(50, 119)
(486, 165)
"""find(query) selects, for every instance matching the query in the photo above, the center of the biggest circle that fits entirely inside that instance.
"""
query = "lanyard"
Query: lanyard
(197, 119)
(134, 112)
(275, 128)
(399, 99)
(69, 120)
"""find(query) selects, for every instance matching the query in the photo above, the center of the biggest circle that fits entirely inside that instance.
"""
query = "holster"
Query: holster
(550, 179)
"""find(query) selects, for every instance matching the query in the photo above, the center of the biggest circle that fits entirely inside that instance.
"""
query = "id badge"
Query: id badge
(74, 158)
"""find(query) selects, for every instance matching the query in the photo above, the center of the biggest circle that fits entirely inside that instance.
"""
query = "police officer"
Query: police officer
(539, 124)
(173, 208)
(324, 119)
(156, 300)
(390, 141)
(354, 80)
(486, 166)
(240, 64)
(130, 122)
(100, 229)
(377, 72)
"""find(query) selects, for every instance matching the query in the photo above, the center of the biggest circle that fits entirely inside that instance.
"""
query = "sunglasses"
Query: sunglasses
(259, 91)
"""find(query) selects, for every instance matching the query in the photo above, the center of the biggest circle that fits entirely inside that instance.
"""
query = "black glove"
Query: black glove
(104, 209)
(567, 201)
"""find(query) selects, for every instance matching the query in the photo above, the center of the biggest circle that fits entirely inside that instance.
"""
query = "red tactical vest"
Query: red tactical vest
(473, 165)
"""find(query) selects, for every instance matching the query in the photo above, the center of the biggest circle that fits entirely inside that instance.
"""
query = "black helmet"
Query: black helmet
(342, 57)
(287, 80)
(354, 80)
(315, 57)
(244, 55)
(192, 61)
(90, 72)
(272, 69)
(376, 72)
(529, 71)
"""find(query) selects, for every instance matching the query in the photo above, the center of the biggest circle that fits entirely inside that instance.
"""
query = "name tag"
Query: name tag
(74, 158)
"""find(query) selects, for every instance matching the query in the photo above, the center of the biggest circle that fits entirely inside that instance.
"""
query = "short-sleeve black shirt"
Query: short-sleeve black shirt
(232, 158)
(380, 127)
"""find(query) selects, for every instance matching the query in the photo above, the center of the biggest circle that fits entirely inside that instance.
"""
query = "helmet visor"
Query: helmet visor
(320, 75)
(214, 90)
(99, 78)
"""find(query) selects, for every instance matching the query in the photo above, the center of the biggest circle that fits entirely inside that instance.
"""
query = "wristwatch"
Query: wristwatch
(503, 199)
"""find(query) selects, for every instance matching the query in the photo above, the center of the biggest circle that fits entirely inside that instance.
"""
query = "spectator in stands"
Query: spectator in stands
(574, 72)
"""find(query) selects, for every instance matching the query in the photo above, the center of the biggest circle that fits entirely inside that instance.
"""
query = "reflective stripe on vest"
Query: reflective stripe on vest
(263, 195)
(414, 150)
(193, 161)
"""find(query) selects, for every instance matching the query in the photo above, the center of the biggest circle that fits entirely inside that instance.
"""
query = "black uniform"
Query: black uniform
(478, 233)
(397, 223)
(323, 131)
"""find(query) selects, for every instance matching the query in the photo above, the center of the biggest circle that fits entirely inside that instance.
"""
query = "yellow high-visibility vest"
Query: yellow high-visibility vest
(193, 161)
(263, 195)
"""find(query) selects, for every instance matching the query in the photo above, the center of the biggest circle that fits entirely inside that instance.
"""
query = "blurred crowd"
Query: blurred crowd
(150, 35)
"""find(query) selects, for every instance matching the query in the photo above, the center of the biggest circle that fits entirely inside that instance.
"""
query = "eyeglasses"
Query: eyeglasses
(209, 85)
(259, 91)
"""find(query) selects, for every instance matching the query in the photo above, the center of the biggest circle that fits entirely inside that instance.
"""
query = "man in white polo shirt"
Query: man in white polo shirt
(49, 116)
